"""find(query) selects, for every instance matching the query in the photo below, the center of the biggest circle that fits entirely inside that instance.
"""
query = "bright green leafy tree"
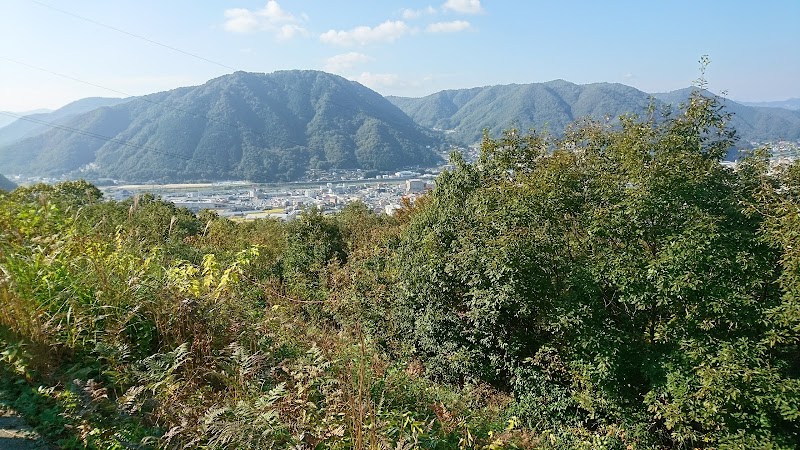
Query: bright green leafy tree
(615, 275)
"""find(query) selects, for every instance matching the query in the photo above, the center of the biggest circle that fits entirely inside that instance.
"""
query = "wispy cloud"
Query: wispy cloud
(378, 80)
(342, 62)
(448, 27)
(463, 6)
(407, 84)
(271, 18)
(388, 31)
(410, 14)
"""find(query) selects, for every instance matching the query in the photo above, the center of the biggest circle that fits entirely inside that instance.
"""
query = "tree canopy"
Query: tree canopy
(616, 275)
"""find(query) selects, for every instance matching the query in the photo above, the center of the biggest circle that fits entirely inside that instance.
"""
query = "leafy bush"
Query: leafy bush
(630, 258)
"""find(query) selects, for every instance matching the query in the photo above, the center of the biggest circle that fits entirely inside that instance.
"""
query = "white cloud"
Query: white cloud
(388, 31)
(344, 61)
(448, 27)
(407, 85)
(289, 31)
(271, 18)
(410, 14)
(378, 80)
(463, 6)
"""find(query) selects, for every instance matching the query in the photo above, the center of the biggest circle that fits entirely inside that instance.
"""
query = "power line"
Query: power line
(140, 98)
(144, 99)
(77, 16)
(193, 55)
(89, 83)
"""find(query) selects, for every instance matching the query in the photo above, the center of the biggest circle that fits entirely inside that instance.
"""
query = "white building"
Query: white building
(415, 185)
(390, 209)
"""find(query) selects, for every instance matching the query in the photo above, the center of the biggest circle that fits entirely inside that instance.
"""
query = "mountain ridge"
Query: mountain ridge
(31, 124)
(6, 184)
(260, 127)
(552, 105)
(791, 103)
(752, 123)
(284, 125)
(7, 117)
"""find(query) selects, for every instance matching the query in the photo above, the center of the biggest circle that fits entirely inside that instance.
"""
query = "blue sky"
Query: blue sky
(408, 48)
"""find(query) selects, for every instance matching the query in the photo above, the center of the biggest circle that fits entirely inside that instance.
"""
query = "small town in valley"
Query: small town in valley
(241, 200)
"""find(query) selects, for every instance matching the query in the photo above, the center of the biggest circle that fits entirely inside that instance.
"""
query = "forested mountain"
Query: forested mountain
(6, 184)
(260, 127)
(279, 126)
(33, 125)
(752, 123)
(552, 105)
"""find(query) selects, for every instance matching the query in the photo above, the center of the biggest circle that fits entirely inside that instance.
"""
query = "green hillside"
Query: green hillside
(261, 127)
(280, 126)
(551, 106)
(543, 106)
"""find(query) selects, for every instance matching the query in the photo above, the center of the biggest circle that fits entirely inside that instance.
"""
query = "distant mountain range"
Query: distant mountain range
(7, 119)
(259, 127)
(752, 123)
(6, 184)
(792, 103)
(280, 126)
(465, 113)
(34, 122)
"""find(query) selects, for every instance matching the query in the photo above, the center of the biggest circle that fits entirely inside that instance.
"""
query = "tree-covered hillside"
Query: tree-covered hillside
(553, 105)
(550, 106)
(601, 288)
(260, 127)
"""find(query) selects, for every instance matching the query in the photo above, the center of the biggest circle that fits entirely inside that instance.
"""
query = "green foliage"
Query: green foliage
(139, 325)
(614, 275)
(314, 242)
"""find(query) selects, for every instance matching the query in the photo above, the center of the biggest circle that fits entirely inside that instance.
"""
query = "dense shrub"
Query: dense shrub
(615, 276)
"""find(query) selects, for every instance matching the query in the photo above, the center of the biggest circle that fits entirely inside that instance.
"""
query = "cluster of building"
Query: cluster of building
(384, 193)
(784, 152)
(244, 201)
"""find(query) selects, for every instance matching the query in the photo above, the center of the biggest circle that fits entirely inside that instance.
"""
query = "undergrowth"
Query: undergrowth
(108, 343)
